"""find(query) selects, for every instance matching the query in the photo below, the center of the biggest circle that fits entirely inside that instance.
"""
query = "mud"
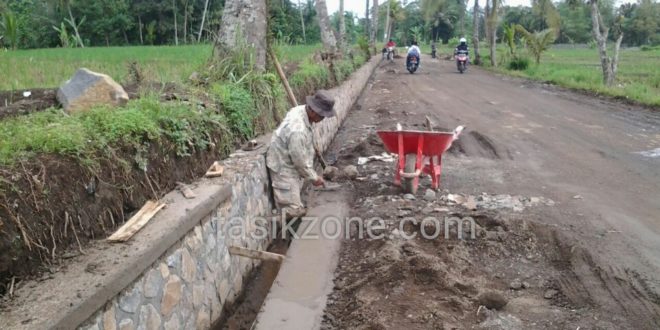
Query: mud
(243, 313)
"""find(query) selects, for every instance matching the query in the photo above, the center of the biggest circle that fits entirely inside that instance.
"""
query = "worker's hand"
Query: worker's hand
(319, 182)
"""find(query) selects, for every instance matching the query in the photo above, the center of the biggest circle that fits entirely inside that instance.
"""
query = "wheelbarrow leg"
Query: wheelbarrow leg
(401, 164)
(420, 160)
(434, 173)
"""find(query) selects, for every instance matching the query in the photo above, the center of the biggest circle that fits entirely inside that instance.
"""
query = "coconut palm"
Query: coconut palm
(537, 42)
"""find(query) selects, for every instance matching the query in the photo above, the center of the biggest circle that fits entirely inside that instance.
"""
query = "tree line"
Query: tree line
(69, 23)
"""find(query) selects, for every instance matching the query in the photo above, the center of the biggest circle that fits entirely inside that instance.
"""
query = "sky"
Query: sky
(358, 6)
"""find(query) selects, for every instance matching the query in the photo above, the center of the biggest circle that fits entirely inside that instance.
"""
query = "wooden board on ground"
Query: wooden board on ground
(215, 170)
(135, 223)
(255, 254)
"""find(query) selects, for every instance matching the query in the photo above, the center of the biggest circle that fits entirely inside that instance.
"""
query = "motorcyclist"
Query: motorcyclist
(413, 51)
(462, 47)
(389, 44)
(434, 49)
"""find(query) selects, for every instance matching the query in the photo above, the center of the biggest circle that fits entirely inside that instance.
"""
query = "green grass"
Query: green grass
(638, 78)
(43, 68)
(87, 135)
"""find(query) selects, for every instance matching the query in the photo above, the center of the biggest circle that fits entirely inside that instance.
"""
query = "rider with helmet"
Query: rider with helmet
(462, 47)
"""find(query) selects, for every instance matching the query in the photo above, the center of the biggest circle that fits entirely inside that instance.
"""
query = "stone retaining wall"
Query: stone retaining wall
(176, 273)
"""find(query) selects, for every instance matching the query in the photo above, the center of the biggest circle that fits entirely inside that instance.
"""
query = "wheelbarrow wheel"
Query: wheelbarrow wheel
(409, 185)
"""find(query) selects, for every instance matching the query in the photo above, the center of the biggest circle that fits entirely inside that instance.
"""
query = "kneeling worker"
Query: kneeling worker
(290, 158)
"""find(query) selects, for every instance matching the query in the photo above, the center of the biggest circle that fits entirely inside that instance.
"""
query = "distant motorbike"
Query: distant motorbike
(390, 54)
(433, 51)
(413, 64)
(461, 60)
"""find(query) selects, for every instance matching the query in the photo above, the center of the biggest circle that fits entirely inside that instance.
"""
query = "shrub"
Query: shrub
(647, 48)
(238, 106)
(519, 63)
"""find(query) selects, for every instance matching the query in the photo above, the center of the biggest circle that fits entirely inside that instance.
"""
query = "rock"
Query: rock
(109, 318)
(223, 289)
(350, 172)
(171, 295)
(188, 266)
(126, 324)
(501, 322)
(164, 270)
(198, 296)
(203, 319)
(483, 314)
(427, 210)
(194, 77)
(526, 285)
(330, 173)
(492, 236)
(130, 302)
(492, 300)
(516, 285)
(409, 197)
(149, 318)
(87, 89)
(152, 283)
(429, 195)
(577, 197)
(173, 323)
(549, 294)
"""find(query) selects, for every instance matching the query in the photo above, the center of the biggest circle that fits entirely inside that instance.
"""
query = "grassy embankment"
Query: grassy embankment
(245, 102)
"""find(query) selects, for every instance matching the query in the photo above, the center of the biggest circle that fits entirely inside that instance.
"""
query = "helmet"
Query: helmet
(463, 40)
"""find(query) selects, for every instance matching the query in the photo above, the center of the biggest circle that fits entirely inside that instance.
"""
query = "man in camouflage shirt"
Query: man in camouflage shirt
(290, 158)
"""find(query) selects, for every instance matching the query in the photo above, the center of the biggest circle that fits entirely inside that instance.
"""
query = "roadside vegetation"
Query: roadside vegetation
(638, 77)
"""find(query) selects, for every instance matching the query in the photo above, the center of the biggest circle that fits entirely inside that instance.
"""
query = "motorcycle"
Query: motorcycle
(413, 64)
(390, 54)
(461, 60)
(433, 51)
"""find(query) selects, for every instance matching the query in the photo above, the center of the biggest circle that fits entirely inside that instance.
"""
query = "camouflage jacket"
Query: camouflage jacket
(291, 147)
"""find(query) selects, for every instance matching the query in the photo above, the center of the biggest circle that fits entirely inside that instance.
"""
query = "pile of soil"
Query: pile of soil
(22, 102)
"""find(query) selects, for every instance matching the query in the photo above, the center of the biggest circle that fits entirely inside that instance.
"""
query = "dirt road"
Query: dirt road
(589, 246)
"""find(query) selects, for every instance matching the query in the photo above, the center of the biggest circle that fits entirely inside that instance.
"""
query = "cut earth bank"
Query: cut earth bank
(177, 272)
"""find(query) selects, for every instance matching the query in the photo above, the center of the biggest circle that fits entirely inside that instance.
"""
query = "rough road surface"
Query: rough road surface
(564, 190)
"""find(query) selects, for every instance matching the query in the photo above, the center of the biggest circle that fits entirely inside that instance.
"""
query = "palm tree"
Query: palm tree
(10, 29)
(66, 4)
(537, 42)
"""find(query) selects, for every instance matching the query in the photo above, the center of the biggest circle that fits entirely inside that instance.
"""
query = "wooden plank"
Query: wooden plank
(255, 254)
(135, 223)
(215, 170)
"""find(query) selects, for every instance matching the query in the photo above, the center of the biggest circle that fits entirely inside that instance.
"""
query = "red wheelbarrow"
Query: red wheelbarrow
(419, 152)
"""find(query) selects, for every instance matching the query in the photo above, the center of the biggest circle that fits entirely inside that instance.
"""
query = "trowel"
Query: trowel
(329, 186)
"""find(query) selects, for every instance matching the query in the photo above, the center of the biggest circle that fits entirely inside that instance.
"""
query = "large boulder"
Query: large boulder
(87, 89)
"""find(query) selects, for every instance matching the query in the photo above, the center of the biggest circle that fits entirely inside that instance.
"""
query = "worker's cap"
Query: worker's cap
(322, 103)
